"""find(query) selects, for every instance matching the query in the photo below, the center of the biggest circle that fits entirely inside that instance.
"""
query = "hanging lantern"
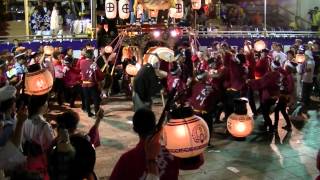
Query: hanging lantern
(124, 12)
(38, 82)
(186, 137)
(300, 58)
(196, 4)
(154, 13)
(259, 45)
(179, 9)
(172, 12)
(111, 9)
(239, 124)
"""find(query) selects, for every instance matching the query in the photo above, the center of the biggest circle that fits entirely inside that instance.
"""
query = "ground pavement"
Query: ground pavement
(261, 156)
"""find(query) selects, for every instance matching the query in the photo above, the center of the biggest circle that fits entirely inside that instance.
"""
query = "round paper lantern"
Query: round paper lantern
(300, 58)
(124, 12)
(108, 49)
(259, 45)
(186, 137)
(132, 70)
(154, 13)
(179, 9)
(111, 9)
(48, 50)
(196, 4)
(240, 125)
(172, 12)
(39, 82)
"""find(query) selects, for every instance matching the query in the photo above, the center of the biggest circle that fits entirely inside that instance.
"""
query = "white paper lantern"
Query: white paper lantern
(179, 9)
(260, 45)
(186, 137)
(124, 11)
(111, 9)
(172, 12)
(196, 4)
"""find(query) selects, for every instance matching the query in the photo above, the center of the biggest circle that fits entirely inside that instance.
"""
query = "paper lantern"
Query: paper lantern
(300, 58)
(172, 12)
(179, 9)
(111, 9)
(39, 82)
(154, 13)
(124, 12)
(48, 50)
(186, 137)
(132, 70)
(108, 49)
(196, 4)
(259, 45)
(240, 125)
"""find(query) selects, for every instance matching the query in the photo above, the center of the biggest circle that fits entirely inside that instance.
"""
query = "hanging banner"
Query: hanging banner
(179, 8)
(111, 9)
(123, 7)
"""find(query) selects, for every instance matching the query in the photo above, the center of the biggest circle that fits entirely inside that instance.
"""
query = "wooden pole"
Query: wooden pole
(26, 17)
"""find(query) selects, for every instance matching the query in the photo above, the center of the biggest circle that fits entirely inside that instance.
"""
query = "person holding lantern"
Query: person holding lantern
(269, 87)
(152, 160)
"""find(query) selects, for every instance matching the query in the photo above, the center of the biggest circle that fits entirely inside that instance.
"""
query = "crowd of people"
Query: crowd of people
(55, 19)
(209, 82)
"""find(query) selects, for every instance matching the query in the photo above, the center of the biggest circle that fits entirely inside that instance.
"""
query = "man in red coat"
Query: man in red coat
(204, 99)
(237, 73)
(91, 76)
(270, 90)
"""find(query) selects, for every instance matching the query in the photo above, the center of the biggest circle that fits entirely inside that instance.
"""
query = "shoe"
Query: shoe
(288, 128)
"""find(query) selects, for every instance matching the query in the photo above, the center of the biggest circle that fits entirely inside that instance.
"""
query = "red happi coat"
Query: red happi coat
(237, 73)
(262, 67)
(251, 64)
(269, 84)
(203, 97)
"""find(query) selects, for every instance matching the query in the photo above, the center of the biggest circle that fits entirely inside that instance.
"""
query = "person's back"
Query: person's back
(168, 165)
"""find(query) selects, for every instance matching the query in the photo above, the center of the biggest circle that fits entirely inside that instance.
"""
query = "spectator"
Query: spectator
(76, 161)
(69, 18)
(315, 19)
(307, 77)
(151, 159)
(37, 136)
(10, 129)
